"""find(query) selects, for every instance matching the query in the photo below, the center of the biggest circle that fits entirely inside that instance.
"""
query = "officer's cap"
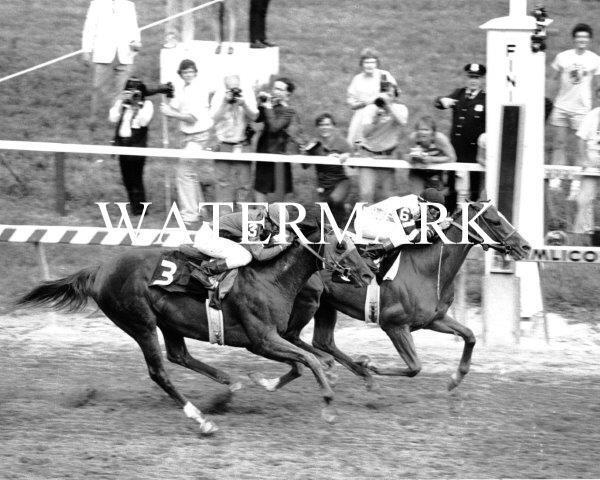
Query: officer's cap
(475, 69)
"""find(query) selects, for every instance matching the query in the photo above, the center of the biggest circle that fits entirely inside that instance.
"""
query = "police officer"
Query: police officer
(468, 123)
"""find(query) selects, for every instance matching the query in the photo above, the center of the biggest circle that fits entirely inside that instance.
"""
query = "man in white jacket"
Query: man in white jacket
(110, 41)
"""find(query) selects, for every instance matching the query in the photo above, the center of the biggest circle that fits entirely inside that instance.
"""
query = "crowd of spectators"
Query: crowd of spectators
(224, 117)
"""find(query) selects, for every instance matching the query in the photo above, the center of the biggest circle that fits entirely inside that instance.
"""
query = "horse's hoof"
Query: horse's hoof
(364, 360)
(208, 428)
(329, 414)
(268, 384)
(453, 382)
(332, 378)
(235, 386)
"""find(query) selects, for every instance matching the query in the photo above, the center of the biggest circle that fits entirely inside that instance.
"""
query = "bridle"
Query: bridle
(501, 246)
(329, 264)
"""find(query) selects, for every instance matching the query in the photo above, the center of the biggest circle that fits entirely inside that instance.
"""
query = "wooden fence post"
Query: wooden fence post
(59, 165)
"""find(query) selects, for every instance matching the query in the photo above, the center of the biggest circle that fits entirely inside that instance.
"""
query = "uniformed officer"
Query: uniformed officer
(468, 123)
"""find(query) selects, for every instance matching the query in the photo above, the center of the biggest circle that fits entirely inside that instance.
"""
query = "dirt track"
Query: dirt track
(76, 402)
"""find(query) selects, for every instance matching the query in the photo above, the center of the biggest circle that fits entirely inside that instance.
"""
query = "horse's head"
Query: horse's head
(345, 261)
(499, 229)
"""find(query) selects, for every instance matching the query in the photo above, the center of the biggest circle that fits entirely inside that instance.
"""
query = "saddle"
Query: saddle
(175, 272)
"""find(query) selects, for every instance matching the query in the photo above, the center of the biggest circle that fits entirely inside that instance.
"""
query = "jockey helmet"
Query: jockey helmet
(273, 214)
(433, 195)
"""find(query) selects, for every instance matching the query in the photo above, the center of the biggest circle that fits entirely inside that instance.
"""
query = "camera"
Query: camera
(263, 97)
(379, 102)
(235, 94)
(165, 89)
(133, 97)
(384, 84)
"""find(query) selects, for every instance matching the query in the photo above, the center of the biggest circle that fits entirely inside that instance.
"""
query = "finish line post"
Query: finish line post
(514, 165)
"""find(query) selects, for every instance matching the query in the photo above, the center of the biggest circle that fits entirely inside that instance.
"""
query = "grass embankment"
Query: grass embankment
(424, 44)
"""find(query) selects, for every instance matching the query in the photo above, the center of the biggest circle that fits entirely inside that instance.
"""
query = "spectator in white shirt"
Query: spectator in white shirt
(364, 89)
(191, 106)
(110, 41)
(575, 70)
(589, 151)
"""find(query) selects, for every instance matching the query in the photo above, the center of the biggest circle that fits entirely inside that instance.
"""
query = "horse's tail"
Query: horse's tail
(70, 293)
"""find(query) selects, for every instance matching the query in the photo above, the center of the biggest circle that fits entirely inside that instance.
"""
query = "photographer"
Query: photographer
(381, 126)
(233, 108)
(280, 133)
(364, 89)
(132, 113)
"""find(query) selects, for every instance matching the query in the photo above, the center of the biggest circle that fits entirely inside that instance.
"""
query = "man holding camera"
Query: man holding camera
(191, 106)
(132, 113)
(281, 129)
(232, 110)
(110, 40)
(381, 125)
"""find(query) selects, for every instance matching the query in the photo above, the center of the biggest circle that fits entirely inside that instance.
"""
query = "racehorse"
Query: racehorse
(418, 297)
(256, 311)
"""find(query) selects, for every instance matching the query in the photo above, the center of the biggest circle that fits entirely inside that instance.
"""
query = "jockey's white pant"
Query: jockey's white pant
(209, 243)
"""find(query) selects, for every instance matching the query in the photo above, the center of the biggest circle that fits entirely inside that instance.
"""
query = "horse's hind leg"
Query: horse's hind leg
(148, 342)
(178, 353)
(449, 325)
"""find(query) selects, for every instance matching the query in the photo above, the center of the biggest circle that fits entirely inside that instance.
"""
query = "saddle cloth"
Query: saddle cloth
(173, 274)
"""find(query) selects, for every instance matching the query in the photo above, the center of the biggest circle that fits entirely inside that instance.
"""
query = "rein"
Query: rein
(331, 265)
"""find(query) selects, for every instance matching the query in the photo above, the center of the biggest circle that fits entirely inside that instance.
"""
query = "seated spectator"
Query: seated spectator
(381, 126)
(365, 88)
(233, 108)
(428, 146)
(333, 185)
(589, 150)
(279, 134)
(132, 113)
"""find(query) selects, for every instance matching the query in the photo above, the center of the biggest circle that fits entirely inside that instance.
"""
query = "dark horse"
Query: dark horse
(256, 311)
(418, 297)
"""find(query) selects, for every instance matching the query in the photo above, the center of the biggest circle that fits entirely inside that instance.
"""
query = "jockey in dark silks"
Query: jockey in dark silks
(224, 248)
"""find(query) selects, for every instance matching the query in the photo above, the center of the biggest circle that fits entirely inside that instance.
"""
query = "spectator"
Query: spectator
(380, 130)
(333, 185)
(225, 10)
(132, 113)
(428, 146)
(365, 88)
(191, 106)
(575, 69)
(589, 149)
(279, 132)
(233, 108)
(173, 7)
(258, 24)
(110, 41)
(468, 122)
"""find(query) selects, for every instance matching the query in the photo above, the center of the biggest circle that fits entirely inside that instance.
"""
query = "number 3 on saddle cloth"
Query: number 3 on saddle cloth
(173, 273)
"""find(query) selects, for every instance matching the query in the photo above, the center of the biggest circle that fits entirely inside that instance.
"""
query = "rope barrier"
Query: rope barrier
(72, 54)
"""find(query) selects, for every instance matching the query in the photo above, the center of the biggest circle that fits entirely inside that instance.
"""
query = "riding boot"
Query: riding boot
(205, 274)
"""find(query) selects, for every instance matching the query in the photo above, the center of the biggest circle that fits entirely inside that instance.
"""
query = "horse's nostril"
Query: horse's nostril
(527, 248)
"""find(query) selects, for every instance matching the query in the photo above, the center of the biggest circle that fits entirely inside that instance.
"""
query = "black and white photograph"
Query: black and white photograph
(265, 239)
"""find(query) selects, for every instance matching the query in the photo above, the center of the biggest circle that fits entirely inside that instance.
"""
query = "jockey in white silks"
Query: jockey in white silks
(393, 221)
(224, 248)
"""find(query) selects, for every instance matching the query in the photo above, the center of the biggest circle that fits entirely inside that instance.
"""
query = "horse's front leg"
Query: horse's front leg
(403, 341)
(323, 339)
(449, 325)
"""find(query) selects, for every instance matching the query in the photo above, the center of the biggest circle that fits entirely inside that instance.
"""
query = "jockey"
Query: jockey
(380, 220)
(225, 250)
